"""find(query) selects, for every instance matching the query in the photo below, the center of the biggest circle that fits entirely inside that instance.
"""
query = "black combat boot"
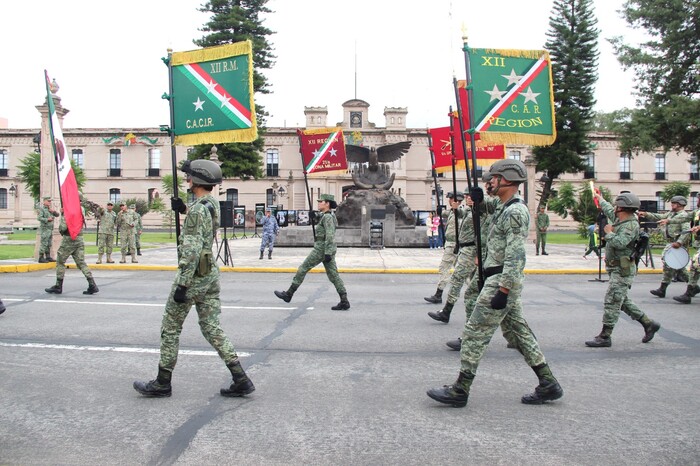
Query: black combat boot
(685, 297)
(286, 296)
(241, 384)
(158, 388)
(343, 305)
(443, 315)
(650, 328)
(694, 289)
(92, 287)
(138, 251)
(456, 394)
(661, 292)
(57, 288)
(49, 258)
(544, 253)
(261, 254)
(436, 298)
(2, 307)
(269, 254)
(42, 259)
(455, 344)
(548, 389)
(603, 339)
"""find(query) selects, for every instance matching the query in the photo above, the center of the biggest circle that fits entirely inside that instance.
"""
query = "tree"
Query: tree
(676, 188)
(29, 171)
(611, 122)
(142, 207)
(578, 203)
(164, 206)
(235, 21)
(667, 67)
(572, 43)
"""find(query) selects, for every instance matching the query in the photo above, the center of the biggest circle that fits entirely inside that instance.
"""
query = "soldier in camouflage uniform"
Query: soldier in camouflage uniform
(499, 302)
(126, 222)
(675, 237)
(541, 224)
(45, 217)
(323, 252)
(71, 248)
(464, 265)
(105, 238)
(138, 229)
(270, 228)
(449, 256)
(694, 274)
(196, 282)
(620, 239)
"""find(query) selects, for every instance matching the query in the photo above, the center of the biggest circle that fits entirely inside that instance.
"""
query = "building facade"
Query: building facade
(121, 163)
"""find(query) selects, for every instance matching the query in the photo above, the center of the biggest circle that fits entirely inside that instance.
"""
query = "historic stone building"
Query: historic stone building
(122, 163)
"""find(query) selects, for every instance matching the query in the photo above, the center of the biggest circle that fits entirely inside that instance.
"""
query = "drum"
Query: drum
(676, 258)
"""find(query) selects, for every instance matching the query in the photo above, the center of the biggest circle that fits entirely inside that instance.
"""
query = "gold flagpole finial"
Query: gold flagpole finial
(464, 33)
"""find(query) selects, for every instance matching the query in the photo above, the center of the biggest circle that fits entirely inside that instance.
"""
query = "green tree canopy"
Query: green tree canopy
(29, 171)
(572, 43)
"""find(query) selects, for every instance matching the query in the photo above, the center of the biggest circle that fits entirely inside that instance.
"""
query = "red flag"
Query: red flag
(70, 198)
(464, 109)
(323, 150)
(441, 147)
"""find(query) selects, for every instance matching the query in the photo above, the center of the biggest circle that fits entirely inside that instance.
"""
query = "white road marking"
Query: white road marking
(124, 303)
(116, 349)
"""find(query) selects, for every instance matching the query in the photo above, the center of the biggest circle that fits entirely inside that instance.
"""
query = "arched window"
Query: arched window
(115, 196)
(3, 198)
(660, 166)
(78, 158)
(115, 162)
(153, 194)
(232, 195)
(153, 162)
(514, 154)
(660, 205)
(272, 157)
(625, 167)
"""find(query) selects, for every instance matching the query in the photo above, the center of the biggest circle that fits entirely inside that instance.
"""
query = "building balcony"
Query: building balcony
(660, 176)
(588, 174)
(694, 176)
(153, 172)
(625, 176)
(3, 172)
(115, 172)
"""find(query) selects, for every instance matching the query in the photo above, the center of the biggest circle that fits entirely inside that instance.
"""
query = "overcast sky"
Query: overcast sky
(105, 56)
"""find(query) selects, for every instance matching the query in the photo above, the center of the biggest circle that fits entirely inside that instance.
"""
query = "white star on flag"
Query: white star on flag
(530, 96)
(495, 93)
(316, 153)
(224, 101)
(199, 105)
(332, 152)
(211, 85)
(512, 77)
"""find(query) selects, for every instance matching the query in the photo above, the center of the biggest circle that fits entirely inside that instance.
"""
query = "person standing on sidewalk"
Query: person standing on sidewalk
(323, 252)
(138, 229)
(449, 255)
(45, 217)
(196, 283)
(542, 224)
(126, 222)
(105, 237)
(270, 229)
(674, 233)
(499, 301)
(432, 230)
(71, 248)
(620, 239)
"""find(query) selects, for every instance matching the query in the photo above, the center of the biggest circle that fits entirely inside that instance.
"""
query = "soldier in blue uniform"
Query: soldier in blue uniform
(270, 228)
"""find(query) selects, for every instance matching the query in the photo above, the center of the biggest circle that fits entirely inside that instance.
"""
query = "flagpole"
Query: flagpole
(454, 179)
(306, 184)
(171, 131)
(472, 140)
(435, 181)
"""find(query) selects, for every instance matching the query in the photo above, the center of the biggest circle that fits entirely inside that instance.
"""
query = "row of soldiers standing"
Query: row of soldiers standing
(128, 223)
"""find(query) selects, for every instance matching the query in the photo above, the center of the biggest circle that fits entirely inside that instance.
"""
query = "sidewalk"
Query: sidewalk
(245, 253)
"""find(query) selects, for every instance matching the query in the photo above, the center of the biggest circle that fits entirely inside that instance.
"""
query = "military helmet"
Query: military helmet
(203, 172)
(628, 201)
(486, 177)
(459, 197)
(679, 200)
(510, 170)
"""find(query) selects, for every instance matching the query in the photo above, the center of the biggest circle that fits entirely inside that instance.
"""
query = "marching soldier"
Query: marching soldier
(542, 224)
(323, 252)
(620, 238)
(499, 301)
(270, 229)
(105, 239)
(196, 283)
(692, 288)
(45, 217)
(126, 222)
(71, 248)
(674, 234)
(449, 256)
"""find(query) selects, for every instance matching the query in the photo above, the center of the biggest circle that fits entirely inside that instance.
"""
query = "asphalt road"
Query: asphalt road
(337, 387)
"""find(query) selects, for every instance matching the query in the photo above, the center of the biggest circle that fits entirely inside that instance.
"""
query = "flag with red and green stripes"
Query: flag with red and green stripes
(323, 150)
(513, 99)
(212, 95)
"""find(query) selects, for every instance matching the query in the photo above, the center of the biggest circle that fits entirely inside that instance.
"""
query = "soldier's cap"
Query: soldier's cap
(121, 204)
(679, 200)
(328, 198)
(46, 198)
(457, 197)
(109, 203)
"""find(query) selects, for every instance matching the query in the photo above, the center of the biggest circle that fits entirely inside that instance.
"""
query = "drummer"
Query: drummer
(692, 288)
(674, 224)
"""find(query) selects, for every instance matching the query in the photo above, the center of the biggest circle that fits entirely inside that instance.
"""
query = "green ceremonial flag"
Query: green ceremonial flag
(213, 95)
(513, 99)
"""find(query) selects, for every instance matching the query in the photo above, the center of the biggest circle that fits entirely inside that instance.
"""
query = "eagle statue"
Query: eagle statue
(372, 172)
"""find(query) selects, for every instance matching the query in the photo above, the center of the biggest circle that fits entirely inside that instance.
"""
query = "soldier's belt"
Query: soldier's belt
(466, 245)
(490, 271)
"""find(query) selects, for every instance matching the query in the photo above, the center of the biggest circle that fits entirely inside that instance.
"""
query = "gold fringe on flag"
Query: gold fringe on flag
(308, 132)
(212, 53)
(218, 137)
(531, 54)
(518, 138)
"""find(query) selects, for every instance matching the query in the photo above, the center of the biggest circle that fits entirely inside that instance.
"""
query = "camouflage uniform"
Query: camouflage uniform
(105, 239)
(465, 264)
(71, 248)
(45, 230)
(202, 288)
(449, 257)
(270, 228)
(694, 273)
(138, 229)
(503, 267)
(678, 222)
(324, 245)
(126, 221)
(542, 224)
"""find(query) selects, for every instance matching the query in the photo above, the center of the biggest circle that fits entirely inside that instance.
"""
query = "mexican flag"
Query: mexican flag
(441, 147)
(70, 198)
(323, 150)
(212, 95)
(513, 97)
